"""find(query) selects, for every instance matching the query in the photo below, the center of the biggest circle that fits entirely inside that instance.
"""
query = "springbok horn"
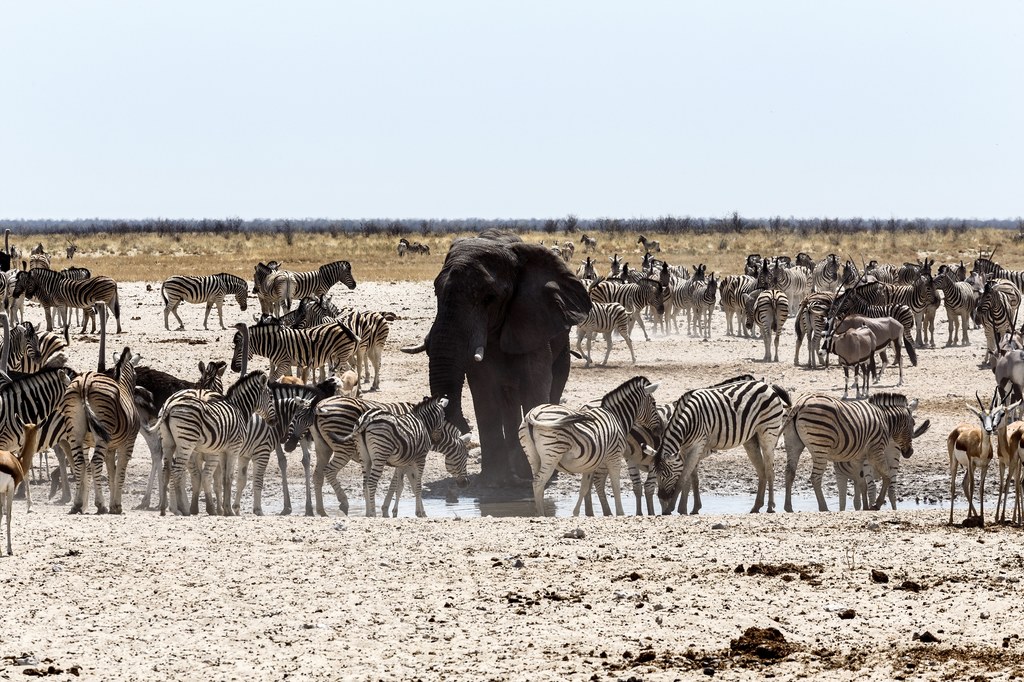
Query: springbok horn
(479, 354)
(980, 404)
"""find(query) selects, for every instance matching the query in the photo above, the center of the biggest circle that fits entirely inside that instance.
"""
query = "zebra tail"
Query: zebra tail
(99, 432)
(783, 394)
(908, 344)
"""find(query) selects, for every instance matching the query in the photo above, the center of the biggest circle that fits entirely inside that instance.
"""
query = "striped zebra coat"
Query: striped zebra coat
(208, 289)
(588, 440)
(32, 351)
(810, 323)
(996, 311)
(329, 423)
(634, 297)
(191, 425)
(52, 289)
(739, 411)
(604, 318)
(834, 430)
(401, 441)
(282, 286)
(449, 443)
(103, 406)
(731, 292)
(960, 300)
(329, 344)
(769, 310)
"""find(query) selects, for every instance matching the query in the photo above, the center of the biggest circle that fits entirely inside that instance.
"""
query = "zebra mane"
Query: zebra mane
(888, 400)
(735, 379)
(243, 380)
(638, 380)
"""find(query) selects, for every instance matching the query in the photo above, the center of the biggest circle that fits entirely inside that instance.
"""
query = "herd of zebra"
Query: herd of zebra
(215, 434)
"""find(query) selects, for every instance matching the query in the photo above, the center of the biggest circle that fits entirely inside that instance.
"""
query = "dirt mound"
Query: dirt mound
(766, 644)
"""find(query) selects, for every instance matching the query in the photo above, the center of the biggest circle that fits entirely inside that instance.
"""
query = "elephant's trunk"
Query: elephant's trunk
(450, 342)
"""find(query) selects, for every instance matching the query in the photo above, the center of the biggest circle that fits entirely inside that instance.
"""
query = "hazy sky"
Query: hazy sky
(433, 109)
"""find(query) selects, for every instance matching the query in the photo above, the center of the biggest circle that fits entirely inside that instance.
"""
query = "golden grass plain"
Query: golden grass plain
(152, 257)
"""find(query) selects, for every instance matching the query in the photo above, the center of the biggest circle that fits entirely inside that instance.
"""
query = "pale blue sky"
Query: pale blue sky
(140, 109)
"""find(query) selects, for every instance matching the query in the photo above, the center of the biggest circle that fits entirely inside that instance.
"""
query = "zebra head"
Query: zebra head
(252, 394)
(899, 413)
(455, 448)
(338, 271)
(302, 419)
(668, 462)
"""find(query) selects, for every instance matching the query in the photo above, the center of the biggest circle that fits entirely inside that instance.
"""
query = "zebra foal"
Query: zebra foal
(588, 440)
(208, 289)
(604, 318)
(307, 349)
(401, 441)
(835, 430)
(740, 411)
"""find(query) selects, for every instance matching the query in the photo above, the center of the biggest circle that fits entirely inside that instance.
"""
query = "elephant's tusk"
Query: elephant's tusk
(479, 354)
(419, 348)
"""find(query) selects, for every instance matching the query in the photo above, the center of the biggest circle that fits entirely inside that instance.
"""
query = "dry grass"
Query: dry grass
(151, 257)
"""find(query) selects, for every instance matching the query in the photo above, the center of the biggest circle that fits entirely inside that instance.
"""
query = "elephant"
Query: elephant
(504, 309)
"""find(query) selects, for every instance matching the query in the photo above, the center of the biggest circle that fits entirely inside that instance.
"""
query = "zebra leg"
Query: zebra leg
(543, 472)
(639, 321)
(183, 455)
(307, 475)
(614, 471)
(282, 466)
(323, 458)
(416, 483)
(241, 479)
(122, 456)
(842, 480)
(229, 462)
(375, 357)
(207, 477)
(767, 337)
(817, 470)
(260, 460)
(393, 493)
(629, 343)
(370, 480)
(63, 478)
(152, 437)
(638, 488)
(778, 333)
(794, 446)
(755, 454)
(608, 347)
(174, 311)
(99, 459)
(220, 313)
(206, 317)
(586, 482)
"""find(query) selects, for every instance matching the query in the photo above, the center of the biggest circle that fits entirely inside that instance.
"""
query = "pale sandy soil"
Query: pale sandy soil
(147, 597)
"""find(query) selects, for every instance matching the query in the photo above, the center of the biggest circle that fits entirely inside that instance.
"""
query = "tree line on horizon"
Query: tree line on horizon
(569, 224)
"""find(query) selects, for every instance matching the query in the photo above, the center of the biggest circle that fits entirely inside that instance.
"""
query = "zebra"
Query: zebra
(586, 270)
(403, 246)
(329, 422)
(604, 318)
(732, 289)
(649, 244)
(261, 277)
(825, 275)
(641, 442)
(305, 348)
(634, 297)
(568, 250)
(682, 297)
(39, 261)
(841, 431)
(770, 310)
(989, 268)
(738, 411)
(32, 351)
(208, 289)
(165, 388)
(996, 312)
(401, 441)
(810, 322)
(53, 289)
(452, 445)
(282, 286)
(615, 266)
(289, 400)
(704, 297)
(103, 406)
(960, 299)
(372, 329)
(589, 243)
(917, 296)
(190, 425)
(792, 280)
(587, 440)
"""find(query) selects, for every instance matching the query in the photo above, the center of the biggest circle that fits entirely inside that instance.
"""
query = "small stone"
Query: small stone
(928, 638)
(874, 526)
(339, 526)
(709, 671)
(634, 576)
(985, 615)
(721, 525)
(575, 534)
(739, 569)
(518, 563)
(847, 614)
(879, 576)
(26, 659)
(659, 620)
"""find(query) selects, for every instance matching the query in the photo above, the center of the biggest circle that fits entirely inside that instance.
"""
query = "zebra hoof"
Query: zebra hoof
(144, 505)
(101, 510)
(287, 511)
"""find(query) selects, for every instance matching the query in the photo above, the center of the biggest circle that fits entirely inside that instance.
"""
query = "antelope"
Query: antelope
(12, 474)
(970, 445)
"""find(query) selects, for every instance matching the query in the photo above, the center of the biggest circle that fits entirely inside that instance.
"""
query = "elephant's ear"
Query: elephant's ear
(547, 300)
